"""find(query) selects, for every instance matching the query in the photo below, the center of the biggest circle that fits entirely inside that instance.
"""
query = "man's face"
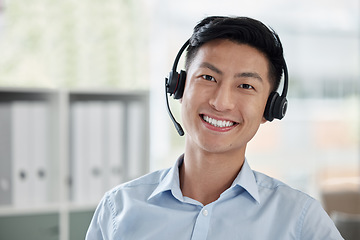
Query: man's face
(226, 90)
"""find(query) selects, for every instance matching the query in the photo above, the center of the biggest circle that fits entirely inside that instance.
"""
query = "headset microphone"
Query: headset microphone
(174, 85)
(176, 124)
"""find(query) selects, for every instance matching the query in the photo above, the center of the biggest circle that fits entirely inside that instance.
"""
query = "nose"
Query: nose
(222, 99)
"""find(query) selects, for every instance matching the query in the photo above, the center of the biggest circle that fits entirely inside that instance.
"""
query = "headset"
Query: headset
(276, 105)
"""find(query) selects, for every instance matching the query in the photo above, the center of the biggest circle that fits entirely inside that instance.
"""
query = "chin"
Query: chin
(219, 147)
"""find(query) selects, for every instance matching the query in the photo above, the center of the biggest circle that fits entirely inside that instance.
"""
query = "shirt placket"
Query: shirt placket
(202, 223)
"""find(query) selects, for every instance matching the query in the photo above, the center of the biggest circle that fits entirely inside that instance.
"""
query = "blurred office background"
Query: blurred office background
(130, 45)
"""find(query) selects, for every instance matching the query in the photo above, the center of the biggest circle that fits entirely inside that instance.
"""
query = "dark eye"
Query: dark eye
(246, 86)
(208, 78)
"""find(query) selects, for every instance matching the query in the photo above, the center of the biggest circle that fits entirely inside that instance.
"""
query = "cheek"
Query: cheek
(188, 88)
(253, 108)
(186, 114)
(190, 103)
(191, 94)
(186, 102)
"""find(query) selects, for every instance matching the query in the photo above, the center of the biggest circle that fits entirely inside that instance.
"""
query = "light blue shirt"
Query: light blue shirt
(254, 207)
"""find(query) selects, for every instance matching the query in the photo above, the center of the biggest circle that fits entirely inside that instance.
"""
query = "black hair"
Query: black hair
(241, 30)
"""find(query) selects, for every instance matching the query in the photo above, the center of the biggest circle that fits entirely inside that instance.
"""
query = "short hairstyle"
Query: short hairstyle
(242, 30)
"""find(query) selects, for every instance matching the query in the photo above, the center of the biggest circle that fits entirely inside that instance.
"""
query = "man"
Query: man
(232, 66)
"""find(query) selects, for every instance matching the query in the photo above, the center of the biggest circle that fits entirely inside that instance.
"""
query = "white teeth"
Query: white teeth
(217, 123)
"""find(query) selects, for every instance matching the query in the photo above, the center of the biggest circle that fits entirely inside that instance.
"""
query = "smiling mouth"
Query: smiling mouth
(217, 123)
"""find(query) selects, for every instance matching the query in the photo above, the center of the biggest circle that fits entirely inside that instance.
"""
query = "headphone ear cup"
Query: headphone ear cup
(276, 107)
(268, 114)
(172, 82)
(180, 85)
(280, 107)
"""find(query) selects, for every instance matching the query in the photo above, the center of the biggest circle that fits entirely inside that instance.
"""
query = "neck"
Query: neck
(205, 176)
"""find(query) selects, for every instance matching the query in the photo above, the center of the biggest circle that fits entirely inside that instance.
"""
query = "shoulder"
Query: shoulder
(119, 199)
(140, 188)
(143, 185)
(310, 218)
(279, 195)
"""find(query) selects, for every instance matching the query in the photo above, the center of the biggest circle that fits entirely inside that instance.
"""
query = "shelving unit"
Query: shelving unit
(86, 138)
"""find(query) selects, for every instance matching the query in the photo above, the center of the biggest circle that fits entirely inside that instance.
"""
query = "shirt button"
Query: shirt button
(205, 212)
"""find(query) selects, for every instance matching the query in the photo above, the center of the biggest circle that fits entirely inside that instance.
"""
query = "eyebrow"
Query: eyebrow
(211, 67)
(237, 75)
(249, 75)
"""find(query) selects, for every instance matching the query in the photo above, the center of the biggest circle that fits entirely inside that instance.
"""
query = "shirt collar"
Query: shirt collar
(246, 180)
(171, 182)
